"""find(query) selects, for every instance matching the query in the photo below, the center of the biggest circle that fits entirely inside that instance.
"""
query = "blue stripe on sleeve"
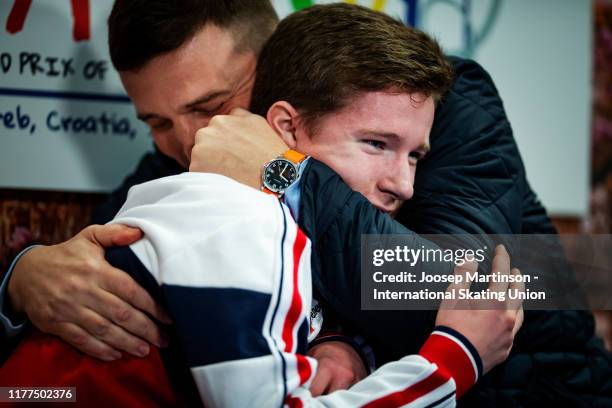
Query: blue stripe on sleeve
(218, 324)
(467, 345)
(302, 337)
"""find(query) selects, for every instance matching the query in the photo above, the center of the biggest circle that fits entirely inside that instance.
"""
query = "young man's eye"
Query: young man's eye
(375, 143)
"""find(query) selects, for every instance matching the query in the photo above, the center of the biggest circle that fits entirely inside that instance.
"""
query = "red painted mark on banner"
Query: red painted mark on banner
(17, 16)
(80, 17)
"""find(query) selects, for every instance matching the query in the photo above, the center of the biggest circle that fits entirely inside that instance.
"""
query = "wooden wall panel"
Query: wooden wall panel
(45, 217)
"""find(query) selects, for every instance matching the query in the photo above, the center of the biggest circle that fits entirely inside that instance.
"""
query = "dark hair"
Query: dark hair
(140, 30)
(320, 57)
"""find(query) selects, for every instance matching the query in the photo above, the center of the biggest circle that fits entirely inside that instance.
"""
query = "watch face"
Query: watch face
(279, 174)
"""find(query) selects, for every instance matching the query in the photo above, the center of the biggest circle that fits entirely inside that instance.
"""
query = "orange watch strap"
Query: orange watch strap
(268, 191)
(294, 156)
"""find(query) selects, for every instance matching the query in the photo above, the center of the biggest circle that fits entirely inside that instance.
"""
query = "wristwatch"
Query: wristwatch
(282, 172)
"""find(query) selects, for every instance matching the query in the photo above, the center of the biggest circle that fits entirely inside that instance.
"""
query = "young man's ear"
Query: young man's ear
(283, 118)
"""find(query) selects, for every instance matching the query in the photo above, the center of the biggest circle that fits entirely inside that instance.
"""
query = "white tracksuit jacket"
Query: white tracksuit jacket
(234, 270)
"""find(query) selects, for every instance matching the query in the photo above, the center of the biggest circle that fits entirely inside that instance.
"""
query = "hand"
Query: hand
(237, 146)
(490, 328)
(339, 367)
(69, 290)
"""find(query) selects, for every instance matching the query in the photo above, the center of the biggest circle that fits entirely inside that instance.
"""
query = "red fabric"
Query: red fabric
(412, 393)
(450, 358)
(295, 308)
(304, 368)
(293, 402)
(42, 360)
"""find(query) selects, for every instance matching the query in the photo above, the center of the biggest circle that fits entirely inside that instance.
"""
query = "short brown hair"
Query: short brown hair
(320, 57)
(140, 30)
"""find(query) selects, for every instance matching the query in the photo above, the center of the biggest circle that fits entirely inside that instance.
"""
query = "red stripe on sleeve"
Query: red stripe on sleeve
(304, 368)
(293, 402)
(295, 308)
(452, 359)
(413, 392)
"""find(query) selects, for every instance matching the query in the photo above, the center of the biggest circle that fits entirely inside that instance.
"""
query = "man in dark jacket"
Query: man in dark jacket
(473, 181)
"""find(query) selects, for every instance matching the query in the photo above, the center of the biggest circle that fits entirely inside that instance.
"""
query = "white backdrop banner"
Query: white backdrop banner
(66, 123)
(65, 120)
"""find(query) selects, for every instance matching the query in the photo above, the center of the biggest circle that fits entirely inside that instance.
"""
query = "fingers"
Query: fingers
(501, 263)
(133, 321)
(123, 286)
(520, 316)
(70, 296)
(127, 315)
(515, 304)
(463, 270)
(99, 315)
(122, 301)
(112, 235)
(199, 137)
(124, 304)
(113, 335)
(461, 282)
(88, 344)
(341, 383)
(321, 381)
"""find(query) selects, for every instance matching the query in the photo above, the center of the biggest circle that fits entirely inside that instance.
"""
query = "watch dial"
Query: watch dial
(279, 175)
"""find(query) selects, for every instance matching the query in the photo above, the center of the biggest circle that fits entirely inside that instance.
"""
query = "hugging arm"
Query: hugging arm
(71, 291)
